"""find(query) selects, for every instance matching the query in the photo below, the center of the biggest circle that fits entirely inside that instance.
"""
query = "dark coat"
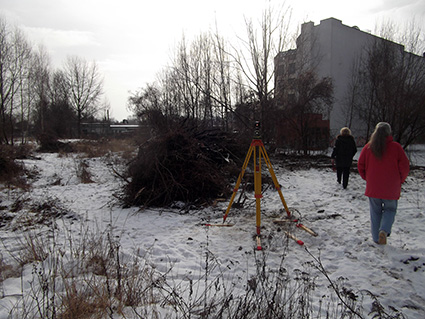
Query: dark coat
(344, 150)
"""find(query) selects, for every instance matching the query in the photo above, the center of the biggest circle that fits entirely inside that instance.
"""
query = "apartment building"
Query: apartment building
(331, 49)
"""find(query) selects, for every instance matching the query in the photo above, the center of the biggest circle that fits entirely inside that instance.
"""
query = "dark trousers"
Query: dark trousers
(343, 172)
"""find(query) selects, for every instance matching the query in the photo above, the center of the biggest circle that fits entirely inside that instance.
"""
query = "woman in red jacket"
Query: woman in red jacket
(385, 166)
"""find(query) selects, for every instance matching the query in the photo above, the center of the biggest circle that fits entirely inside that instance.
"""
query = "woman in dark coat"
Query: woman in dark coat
(343, 153)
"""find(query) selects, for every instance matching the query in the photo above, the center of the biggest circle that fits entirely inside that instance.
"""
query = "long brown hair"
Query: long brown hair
(378, 139)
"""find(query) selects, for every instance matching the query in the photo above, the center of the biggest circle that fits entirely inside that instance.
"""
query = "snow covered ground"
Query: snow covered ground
(177, 238)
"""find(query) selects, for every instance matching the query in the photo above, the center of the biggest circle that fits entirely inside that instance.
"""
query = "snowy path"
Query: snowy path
(178, 239)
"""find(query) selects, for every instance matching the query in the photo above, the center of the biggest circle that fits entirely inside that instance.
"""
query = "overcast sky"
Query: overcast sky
(133, 40)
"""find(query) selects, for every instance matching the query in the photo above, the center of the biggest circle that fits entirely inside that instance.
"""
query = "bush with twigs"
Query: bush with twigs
(187, 164)
(88, 274)
(12, 172)
(91, 276)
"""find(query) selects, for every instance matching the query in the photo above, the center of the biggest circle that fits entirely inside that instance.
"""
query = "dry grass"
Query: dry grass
(83, 301)
(86, 274)
(26, 214)
(83, 172)
(12, 173)
(6, 271)
(105, 147)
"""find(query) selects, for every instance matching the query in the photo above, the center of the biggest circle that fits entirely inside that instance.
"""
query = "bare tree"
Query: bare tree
(85, 87)
(14, 52)
(390, 85)
(196, 86)
(59, 116)
(6, 78)
(223, 80)
(26, 96)
(39, 78)
(256, 58)
(301, 126)
(204, 78)
(186, 77)
(58, 88)
(149, 107)
(19, 105)
(105, 108)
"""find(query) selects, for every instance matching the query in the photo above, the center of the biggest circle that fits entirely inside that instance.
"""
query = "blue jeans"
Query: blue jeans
(382, 215)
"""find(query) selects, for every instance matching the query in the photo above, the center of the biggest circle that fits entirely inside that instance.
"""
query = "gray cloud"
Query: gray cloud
(407, 6)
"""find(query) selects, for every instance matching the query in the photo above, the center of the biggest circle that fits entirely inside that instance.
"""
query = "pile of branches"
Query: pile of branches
(186, 164)
(49, 143)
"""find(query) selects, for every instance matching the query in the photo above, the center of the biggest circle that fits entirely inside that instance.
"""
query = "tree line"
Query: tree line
(217, 82)
(36, 99)
(230, 84)
(388, 84)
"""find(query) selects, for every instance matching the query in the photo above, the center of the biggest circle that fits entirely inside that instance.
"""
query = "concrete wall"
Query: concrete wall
(340, 47)
(332, 48)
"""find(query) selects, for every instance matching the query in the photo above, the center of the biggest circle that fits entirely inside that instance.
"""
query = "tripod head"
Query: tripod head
(257, 130)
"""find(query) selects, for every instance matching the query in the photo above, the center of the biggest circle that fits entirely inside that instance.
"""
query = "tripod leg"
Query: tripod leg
(257, 187)
(275, 182)
(238, 182)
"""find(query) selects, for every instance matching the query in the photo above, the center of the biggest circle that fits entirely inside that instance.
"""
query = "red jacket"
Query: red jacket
(384, 176)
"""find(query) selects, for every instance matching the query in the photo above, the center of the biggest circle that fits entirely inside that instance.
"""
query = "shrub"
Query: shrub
(187, 164)
(50, 144)
(12, 172)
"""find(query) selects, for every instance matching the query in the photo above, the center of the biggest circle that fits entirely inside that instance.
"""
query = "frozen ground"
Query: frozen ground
(177, 238)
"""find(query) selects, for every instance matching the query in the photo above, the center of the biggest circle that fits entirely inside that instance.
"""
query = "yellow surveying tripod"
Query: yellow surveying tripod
(257, 148)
